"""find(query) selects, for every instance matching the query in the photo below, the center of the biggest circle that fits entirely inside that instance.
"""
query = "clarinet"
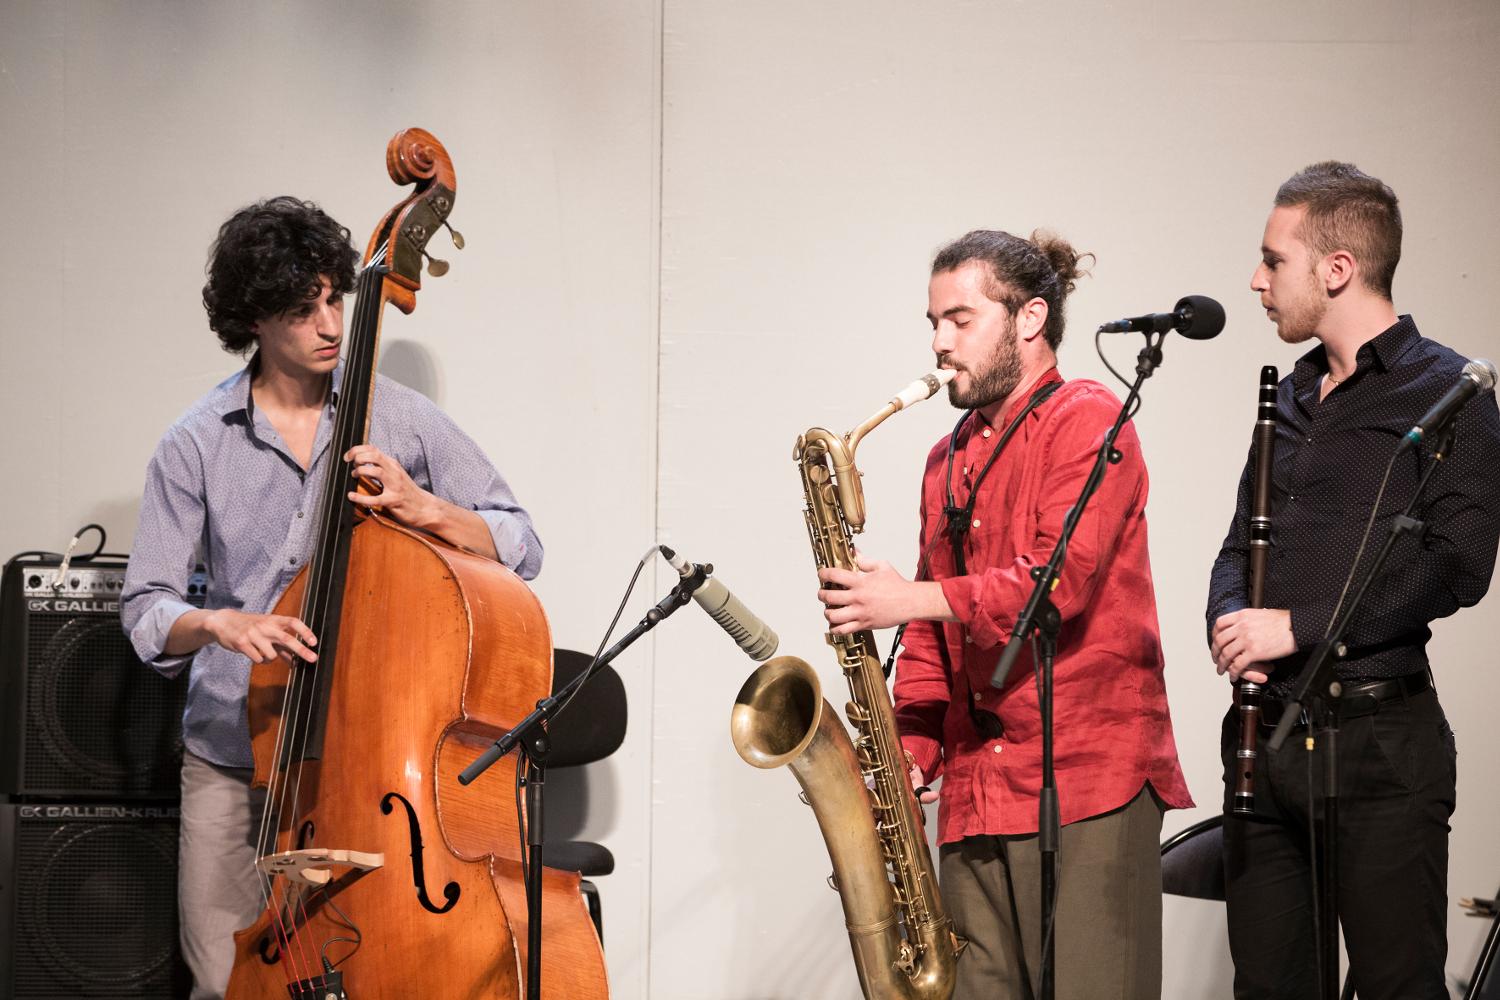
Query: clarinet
(1247, 693)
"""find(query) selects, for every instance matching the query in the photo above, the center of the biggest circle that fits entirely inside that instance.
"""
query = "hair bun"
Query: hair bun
(1064, 259)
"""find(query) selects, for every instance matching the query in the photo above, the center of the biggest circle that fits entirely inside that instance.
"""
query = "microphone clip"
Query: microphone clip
(689, 571)
(695, 578)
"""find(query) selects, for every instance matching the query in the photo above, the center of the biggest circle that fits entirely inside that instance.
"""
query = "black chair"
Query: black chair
(592, 728)
(1192, 861)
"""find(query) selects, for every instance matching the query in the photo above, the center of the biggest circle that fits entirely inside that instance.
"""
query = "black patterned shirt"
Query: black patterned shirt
(1329, 459)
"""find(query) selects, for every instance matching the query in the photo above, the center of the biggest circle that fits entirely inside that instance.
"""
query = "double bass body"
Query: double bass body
(384, 877)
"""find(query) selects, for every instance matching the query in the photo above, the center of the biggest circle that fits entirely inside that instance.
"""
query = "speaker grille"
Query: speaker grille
(101, 721)
(79, 713)
(96, 910)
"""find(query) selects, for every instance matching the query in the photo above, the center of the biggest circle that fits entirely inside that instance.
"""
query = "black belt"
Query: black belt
(1360, 698)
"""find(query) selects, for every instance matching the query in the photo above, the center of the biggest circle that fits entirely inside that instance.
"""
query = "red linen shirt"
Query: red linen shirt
(1111, 725)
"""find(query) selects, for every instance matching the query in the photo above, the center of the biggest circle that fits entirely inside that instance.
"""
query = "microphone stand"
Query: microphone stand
(530, 737)
(1317, 691)
(1040, 616)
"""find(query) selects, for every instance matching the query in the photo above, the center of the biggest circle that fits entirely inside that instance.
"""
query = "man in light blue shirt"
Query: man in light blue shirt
(236, 483)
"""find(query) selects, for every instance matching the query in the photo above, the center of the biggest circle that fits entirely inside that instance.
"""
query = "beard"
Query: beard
(1298, 321)
(994, 380)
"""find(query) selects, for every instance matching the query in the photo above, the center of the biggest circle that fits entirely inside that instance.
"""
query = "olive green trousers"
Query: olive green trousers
(1108, 930)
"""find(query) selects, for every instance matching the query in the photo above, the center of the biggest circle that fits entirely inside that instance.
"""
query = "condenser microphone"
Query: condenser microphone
(1196, 317)
(1478, 376)
(749, 632)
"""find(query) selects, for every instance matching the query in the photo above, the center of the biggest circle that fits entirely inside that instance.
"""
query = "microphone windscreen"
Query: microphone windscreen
(1203, 317)
(1481, 371)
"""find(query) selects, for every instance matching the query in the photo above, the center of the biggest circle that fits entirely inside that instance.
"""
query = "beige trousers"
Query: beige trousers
(217, 889)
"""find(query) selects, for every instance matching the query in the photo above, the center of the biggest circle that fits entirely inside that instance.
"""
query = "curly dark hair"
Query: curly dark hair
(269, 257)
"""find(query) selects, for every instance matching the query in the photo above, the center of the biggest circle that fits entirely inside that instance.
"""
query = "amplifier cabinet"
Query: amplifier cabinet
(88, 901)
(80, 715)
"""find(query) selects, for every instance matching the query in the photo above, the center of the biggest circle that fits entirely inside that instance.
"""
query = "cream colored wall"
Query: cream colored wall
(694, 231)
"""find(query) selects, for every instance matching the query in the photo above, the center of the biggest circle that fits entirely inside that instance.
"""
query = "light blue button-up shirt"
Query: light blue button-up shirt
(223, 488)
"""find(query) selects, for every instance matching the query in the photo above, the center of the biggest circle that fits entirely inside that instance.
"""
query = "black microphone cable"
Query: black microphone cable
(521, 817)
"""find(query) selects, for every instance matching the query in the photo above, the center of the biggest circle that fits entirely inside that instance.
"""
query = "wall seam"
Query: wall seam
(655, 256)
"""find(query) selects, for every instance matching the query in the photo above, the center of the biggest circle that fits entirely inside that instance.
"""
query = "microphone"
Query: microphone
(1196, 317)
(753, 635)
(1478, 376)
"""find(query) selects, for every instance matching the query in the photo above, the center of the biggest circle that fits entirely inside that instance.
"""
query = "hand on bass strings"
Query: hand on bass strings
(399, 496)
(263, 638)
(877, 597)
(415, 507)
(1246, 641)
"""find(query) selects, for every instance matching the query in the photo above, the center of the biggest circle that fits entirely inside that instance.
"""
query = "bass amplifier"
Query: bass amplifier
(88, 902)
(80, 715)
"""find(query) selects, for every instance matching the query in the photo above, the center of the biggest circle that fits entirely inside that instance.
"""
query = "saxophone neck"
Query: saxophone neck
(817, 444)
(923, 388)
(854, 437)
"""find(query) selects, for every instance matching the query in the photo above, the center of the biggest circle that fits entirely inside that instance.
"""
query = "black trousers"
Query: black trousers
(1396, 793)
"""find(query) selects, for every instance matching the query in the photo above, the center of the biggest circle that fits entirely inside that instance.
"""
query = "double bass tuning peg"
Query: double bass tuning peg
(436, 266)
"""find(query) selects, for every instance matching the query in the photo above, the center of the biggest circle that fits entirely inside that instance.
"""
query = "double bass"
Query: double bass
(381, 877)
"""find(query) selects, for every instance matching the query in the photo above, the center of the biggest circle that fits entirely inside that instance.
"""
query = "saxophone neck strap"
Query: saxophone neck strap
(958, 521)
(960, 518)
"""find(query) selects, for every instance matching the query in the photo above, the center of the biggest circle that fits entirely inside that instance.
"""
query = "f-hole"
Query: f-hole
(451, 890)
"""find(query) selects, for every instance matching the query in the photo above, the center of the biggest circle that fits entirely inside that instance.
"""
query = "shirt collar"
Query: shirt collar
(234, 392)
(1384, 351)
(1051, 375)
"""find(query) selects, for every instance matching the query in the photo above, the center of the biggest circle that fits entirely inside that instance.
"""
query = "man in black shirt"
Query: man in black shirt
(1328, 257)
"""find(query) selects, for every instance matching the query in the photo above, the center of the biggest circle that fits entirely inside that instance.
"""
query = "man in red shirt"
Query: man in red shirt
(995, 302)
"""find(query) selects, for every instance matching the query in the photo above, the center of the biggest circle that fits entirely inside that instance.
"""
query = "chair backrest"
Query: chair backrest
(1192, 861)
(593, 727)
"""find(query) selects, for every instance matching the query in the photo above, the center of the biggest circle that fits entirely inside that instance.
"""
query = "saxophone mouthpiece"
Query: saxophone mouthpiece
(923, 388)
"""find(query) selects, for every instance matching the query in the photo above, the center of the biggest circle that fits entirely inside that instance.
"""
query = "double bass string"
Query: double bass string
(290, 705)
(317, 595)
(294, 727)
(356, 394)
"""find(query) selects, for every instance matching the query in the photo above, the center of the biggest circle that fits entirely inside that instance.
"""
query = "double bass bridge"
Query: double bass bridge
(313, 867)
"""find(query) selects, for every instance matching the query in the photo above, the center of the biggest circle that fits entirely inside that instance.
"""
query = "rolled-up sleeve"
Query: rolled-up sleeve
(162, 558)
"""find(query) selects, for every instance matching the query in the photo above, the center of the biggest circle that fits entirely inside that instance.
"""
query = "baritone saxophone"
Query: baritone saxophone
(860, 789)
